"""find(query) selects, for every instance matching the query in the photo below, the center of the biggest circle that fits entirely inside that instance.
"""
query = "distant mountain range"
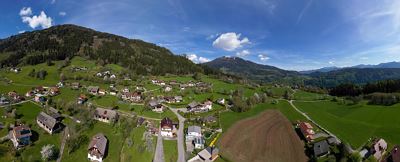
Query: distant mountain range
(324, 77)
(253, 71)
(361, 66)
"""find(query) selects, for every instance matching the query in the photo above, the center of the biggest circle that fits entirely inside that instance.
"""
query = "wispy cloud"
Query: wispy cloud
(303, 11)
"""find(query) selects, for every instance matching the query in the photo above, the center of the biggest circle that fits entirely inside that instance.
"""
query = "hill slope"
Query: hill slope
(267, 137)
(251, 70)
(66, 41)
(352, 75)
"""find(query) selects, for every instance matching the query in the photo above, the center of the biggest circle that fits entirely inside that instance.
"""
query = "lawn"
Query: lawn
(137, 152)
(227, 119)
(170, 150)
(355, 124)
(302, 95)
(29, 111)
(22, 78)
(115, 142)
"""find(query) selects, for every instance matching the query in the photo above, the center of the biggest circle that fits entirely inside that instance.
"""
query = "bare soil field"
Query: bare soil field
(266, 137)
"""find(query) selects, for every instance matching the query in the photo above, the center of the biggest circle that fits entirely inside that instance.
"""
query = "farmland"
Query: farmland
(355, 124)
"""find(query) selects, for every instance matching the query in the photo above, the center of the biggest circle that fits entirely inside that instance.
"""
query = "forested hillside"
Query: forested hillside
(66, 41)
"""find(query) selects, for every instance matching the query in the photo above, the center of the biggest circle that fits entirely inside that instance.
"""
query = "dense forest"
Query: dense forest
(385, 92)
(65, 41)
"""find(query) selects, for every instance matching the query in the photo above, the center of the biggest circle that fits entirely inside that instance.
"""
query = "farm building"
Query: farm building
(307, 130)
(321, 148)
(48, 123)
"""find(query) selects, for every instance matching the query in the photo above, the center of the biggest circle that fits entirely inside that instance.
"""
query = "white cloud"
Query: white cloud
(41, 20)
(263, 57)
(62, 13)
(194, 58)
(53, 1)
(22, 31)
(331, 62)
(203, 60)
(25, 11)
(212, 36)
(243, 53)
(230, 41)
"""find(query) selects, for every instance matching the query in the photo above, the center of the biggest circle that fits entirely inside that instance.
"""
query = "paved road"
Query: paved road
(64, 140)
(159, 154)
(180, 136)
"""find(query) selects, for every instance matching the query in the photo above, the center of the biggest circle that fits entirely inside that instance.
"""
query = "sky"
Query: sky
(293, 35)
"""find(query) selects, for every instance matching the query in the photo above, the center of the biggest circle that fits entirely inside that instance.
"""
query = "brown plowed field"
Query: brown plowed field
(266, 137)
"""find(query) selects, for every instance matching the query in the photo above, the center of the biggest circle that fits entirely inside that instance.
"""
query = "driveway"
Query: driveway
(180, 136)
(159, 154)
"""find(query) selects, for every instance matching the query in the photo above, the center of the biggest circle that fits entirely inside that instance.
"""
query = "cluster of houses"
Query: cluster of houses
(106, 75)
(39, 93)
(76, 69)
(15, 69)
(378, 149)
(182, 86)
(156, 105)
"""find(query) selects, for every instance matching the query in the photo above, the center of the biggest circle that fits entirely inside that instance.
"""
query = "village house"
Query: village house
(167, 128)
(193, 132)
(394, 155)
(75, 85)
(209, 119)
(40, 98)
(156, 106)
(20, 136)
(15, 96)
(321, 148)
(175, 99)
(60, 84)
(197, 107)
(30, 93)
(102, 92)
(54, 91)
(48, 123)
(198, 142)
(105, 115)
(40, 90)
(125, 90)
(54, 113)
(113, 91)
(378, 149)
(82, 99)
(307, 130)
(168, 89)
(158, 82)
(15, 69)
(4, 100)
(221, 101)
(97, 148)
(132, 96)
(207, 155)
(94, 90)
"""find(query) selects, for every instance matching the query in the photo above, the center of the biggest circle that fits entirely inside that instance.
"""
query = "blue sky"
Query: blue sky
(295, 35)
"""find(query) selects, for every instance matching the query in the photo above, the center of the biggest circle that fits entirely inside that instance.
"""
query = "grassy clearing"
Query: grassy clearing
(302, 95)
(170, 150)
(135, 153)
(115, 142)
(355, 124)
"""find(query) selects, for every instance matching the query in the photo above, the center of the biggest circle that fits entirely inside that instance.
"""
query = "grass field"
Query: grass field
(170, 150)
(355, 124)
(135, 153)
(227, 119)
(29, 111)
(115, 142)
(302, 95)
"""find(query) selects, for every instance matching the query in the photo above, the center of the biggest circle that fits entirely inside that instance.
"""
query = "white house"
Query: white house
(193, 132)
(97, 148)
(105, 115)
(166, 128)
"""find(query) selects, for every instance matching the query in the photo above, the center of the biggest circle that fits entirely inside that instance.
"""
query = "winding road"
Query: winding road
(180, 136)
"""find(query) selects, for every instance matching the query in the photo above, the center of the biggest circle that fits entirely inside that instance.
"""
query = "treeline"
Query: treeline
(380, 93)
(66, 41)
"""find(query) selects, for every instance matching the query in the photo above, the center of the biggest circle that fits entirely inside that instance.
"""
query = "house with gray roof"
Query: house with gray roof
(105, 115)
(207, 155)
(193, 132)
(97, 148)
(20, 136)
(321, 148)
(48, 123)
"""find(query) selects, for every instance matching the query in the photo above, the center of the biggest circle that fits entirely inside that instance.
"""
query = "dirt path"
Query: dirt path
(63, 141)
